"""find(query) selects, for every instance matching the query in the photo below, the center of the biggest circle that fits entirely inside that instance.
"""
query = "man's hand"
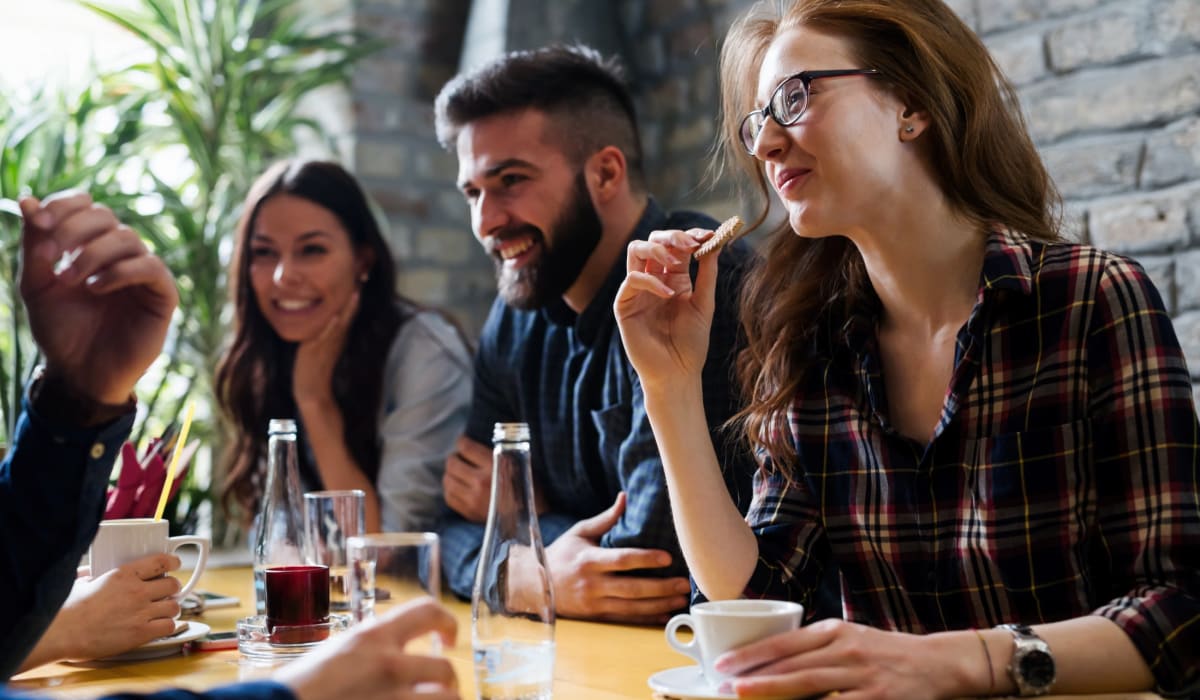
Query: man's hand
(467, 481)
(99, 302)
(587, 584)
(369, 661)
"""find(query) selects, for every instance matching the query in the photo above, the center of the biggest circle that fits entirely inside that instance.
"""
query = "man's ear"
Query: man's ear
(606, 174)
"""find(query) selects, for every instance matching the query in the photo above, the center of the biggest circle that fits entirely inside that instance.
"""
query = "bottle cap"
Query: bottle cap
(279, 426)
(510, 432)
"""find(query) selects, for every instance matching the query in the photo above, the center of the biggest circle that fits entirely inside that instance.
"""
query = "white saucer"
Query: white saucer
(686, 683)
(163, 646)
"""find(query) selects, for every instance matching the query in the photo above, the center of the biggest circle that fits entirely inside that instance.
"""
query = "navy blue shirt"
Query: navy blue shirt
(53, 482)
(252, 690)
(567, 376)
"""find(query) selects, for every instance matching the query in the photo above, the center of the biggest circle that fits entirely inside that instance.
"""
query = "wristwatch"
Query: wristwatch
(1032, 664)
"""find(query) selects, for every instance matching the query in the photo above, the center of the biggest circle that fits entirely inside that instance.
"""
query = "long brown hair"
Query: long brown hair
(979, 152)
(254, 376)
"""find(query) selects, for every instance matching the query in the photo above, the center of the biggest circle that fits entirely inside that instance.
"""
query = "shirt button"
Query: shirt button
(97, 451)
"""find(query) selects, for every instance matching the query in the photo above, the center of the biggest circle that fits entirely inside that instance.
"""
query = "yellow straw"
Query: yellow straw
(183, 434)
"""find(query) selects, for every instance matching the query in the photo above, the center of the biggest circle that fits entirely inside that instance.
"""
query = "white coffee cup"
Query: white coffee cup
(119, 542)
(722, 625)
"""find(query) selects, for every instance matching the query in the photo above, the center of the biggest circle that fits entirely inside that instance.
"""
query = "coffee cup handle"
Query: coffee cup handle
(691, 648)
(202, 544)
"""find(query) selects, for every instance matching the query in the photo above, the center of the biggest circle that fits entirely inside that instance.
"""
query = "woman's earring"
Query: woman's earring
(909, 129)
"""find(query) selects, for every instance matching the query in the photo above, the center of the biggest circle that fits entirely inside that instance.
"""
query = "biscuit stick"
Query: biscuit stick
(726, 233)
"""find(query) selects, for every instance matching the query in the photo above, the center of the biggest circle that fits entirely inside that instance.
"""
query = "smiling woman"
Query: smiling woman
(987, 431)
(315, 309)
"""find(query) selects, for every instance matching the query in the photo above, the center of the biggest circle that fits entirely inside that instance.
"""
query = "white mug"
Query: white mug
(722, 625)
(119, 542)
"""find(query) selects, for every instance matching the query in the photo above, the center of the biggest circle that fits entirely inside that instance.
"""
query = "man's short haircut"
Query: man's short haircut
(582, 93)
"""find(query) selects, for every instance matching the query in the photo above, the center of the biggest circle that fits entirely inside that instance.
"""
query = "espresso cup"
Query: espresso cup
(119, 542)
(722, 625)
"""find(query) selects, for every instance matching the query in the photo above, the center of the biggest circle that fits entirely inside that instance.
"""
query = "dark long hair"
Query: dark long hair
(254, 376)
(978, 149)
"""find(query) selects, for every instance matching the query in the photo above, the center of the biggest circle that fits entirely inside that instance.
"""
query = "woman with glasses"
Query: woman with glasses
(988, 430)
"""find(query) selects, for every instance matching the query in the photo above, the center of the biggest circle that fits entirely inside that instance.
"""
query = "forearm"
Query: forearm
(338, 470)
(50, 648)
(1091, 655)
(717, 543)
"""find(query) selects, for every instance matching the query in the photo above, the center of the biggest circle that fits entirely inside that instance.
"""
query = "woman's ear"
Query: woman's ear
(912, 122)
(364, 261)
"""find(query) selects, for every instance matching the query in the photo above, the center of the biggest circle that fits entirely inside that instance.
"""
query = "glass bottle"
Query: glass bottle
(279, 531)
(512, 604)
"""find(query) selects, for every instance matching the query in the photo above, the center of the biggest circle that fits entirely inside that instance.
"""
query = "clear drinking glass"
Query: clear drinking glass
(392, 568)
(330, 518)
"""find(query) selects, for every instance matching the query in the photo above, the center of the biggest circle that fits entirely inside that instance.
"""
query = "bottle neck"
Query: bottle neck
(512, 485)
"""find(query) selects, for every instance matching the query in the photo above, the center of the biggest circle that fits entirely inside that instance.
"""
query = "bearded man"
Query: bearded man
(550, 164)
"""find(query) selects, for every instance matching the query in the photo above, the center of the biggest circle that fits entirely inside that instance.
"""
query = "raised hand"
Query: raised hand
(664, 320)
(587, 577)
(99, 302)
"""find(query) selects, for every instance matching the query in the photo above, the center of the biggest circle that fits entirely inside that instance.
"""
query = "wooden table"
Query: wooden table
(594, 661)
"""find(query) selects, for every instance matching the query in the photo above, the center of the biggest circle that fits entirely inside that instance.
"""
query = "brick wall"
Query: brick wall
(1111, 90)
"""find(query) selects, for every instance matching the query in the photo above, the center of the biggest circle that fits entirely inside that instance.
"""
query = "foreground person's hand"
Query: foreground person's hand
(369, 661)
(113, 613)
(99, 301)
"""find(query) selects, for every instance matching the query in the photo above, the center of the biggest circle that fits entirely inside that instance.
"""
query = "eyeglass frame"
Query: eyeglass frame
(806, 77)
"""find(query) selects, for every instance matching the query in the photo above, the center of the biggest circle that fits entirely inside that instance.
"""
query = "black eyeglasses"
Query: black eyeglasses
(788, 102)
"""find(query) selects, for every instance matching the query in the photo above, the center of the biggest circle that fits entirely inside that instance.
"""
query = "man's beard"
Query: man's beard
(575, 235)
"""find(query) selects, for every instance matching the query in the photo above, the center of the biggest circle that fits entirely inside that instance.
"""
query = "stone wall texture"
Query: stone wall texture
(1111, 91)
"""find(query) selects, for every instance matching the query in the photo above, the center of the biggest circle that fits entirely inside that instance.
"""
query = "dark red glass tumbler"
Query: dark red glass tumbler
(297, 603)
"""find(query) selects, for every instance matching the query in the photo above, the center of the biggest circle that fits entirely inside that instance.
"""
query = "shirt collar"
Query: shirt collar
(1007, 261)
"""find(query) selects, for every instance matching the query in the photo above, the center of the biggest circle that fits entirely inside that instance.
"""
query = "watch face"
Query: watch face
(1037, 668)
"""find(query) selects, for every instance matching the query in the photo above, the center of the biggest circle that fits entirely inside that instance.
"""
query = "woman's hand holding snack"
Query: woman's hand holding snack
(664, 319)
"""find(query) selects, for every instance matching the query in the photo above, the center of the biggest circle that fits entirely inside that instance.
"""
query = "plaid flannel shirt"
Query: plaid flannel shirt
(1060, 481)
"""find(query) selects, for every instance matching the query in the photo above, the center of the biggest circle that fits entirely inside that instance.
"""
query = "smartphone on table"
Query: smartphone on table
(216, 641)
